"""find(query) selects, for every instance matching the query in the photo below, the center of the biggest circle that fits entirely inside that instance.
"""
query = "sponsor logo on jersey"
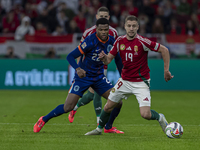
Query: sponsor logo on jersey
(113, 90)
(97, 50)
(109, 48)
(136, 50)
(129, 48)
(122, 47)
(83, 45)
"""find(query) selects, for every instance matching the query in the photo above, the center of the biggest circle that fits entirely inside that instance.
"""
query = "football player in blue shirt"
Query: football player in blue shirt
(90, 95)
(89, 71)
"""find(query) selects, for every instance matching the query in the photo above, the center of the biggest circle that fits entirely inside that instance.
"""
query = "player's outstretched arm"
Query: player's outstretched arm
(166, 58)
(106, 59)
(82, 39)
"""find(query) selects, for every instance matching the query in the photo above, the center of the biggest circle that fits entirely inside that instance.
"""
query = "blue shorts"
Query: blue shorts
(79, 86)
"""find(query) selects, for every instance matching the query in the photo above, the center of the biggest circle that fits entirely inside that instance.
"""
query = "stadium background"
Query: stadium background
(38, 58)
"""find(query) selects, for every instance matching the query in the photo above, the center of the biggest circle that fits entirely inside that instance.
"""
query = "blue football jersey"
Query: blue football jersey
(90, 48)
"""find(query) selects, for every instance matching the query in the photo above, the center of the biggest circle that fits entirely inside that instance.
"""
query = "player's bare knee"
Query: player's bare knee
(146, 115)
(91, 90)
(68, 108)
(107, 108)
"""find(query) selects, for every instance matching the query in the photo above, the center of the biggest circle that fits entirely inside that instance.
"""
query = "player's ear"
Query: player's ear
(97, 17)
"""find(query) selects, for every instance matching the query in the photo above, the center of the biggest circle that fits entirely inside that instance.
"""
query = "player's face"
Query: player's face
(102, 14)
(102, 31)
(131, 28)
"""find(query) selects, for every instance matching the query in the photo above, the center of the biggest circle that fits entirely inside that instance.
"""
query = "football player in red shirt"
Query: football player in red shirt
(135, 78)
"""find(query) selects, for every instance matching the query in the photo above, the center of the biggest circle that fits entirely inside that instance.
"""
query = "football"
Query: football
(174, 130)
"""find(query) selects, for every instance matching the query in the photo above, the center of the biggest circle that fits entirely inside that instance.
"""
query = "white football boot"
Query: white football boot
(163, 122)
(96, 131)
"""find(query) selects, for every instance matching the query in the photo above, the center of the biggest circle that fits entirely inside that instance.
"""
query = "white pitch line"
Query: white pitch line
(57, 124)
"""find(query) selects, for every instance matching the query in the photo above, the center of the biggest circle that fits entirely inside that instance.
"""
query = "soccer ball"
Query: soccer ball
(174, 130)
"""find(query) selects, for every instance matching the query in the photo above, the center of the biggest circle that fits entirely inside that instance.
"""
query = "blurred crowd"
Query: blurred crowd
(58, 17)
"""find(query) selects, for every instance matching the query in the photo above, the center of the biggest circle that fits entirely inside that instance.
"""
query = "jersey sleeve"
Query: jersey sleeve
(72, 56)
(115, 48)
(85, 45)
(149, 45)
(116, 34)
(80, 50)
(113, 32)
(83, 38)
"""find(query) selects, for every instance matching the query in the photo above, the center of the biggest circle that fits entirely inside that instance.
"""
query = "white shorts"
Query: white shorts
(123, 89)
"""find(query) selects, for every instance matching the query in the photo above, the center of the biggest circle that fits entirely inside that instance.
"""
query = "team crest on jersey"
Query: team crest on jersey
(109, 48)
(113, 90)
(83, 45)
(122, 47)
(136, 50)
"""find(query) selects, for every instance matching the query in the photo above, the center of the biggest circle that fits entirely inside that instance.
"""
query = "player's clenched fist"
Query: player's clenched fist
(81, 73)
(167, 76)
(102, 56)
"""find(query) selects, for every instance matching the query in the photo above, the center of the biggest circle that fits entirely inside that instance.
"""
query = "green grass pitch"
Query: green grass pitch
(20, 109)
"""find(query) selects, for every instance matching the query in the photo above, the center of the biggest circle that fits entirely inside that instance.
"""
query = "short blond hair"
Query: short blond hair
(103, 8)
(131, 18)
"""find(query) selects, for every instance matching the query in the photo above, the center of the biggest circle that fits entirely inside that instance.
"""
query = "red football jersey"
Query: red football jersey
(134, 56)
(91, 30)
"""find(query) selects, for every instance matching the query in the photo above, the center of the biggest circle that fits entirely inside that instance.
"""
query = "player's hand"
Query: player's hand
(167, 76)
(102, 56)
(81, 73)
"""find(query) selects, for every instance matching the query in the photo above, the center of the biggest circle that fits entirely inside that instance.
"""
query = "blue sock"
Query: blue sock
(59, 110)
(113, 115)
